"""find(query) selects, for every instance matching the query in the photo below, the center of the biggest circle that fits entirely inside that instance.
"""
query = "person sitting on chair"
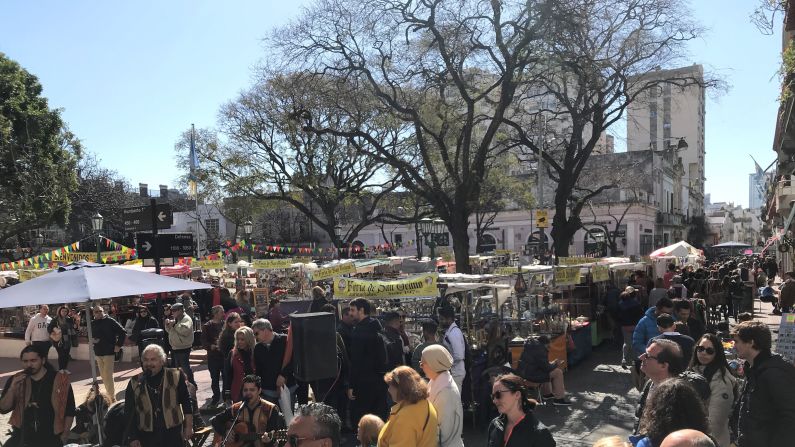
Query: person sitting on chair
(256, 414)
(535, 367)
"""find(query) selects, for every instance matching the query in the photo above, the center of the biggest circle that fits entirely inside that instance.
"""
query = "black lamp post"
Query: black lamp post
(96, 223)
(248, 228)
(337, 234)
(430, 228)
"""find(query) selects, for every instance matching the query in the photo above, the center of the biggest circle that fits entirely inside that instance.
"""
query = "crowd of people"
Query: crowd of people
(386, 393)
(679, 362)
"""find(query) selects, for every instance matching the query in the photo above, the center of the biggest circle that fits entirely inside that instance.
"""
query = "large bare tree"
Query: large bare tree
(597, 63)
(446, 70)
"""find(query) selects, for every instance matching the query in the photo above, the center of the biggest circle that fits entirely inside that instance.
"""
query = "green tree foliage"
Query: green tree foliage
(37, 164)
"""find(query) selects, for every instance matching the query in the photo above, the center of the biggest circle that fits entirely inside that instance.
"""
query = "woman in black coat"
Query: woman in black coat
(67, 328)
(143, 321)
(516, 418)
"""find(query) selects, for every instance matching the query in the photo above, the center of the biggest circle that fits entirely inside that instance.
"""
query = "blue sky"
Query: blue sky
(131, 76)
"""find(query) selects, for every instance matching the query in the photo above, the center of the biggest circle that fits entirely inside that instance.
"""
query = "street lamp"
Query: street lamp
(96, 224)
(429, 229)
(248, 228)
(337, 234)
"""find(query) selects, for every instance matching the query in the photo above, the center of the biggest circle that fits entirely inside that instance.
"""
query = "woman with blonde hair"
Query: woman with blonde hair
(412, 420)
(239, 363)
(369, 427)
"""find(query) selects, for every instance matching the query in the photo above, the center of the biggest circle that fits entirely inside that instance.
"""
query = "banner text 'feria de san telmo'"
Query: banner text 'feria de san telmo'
(272, 264)
(415, 286)
(344, 268)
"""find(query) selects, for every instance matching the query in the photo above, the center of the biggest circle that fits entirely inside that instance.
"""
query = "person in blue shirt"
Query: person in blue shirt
(646, 329)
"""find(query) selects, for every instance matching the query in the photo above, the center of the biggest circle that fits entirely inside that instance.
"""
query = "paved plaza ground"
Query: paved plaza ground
(601, 391)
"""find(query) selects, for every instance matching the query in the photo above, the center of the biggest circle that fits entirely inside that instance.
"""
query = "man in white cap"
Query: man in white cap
(443, 393)
(180, 337)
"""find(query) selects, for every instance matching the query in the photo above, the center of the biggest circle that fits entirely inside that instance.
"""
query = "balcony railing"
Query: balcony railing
(671, 219)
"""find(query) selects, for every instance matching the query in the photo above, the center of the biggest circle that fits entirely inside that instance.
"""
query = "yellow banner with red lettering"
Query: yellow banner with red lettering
(415, 286)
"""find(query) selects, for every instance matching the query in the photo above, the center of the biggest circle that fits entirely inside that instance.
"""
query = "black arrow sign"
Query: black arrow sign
(168, 245)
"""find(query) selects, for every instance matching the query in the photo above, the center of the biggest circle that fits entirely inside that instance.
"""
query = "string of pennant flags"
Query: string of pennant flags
(70, 253)
(118, 252)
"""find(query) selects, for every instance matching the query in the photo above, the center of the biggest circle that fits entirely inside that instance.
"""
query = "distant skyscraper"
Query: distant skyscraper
(660, 117)
(757, 185)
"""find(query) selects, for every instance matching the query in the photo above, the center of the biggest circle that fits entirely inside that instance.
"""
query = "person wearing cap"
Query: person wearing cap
(443, 394)
(109, 337)
(180, 337)
(453, 340)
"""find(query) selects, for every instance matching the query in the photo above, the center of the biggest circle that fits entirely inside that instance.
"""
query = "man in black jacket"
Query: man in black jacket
(682, 311)
(368, 389)
(765, 412)
(269, 355)
(109, 337)
(394, 349)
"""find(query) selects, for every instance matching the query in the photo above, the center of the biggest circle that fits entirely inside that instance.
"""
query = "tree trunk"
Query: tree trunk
(460, 237)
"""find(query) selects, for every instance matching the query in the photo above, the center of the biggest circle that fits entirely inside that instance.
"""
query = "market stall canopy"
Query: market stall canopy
(86, 281)
(680, 249)
(732, 244)
(454, 287)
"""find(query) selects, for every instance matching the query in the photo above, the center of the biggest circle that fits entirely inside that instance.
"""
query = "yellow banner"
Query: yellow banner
(207, 264)
(506, 271)
(272, 264)
(503, 252)
(81, 256)
(567, 276)
(345, 268)
(576, 260)
(600, 273)
(25, 275)
(415, 286)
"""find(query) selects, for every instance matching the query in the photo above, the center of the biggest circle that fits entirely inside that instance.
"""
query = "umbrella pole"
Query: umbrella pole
(95, 385)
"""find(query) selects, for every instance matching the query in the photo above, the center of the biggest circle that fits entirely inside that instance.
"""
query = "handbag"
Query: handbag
(56, 335)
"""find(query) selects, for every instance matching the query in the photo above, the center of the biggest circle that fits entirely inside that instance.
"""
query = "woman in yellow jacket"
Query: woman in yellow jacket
(412, 420)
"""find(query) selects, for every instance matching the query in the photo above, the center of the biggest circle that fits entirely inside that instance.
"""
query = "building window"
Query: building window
(487, 243)
(211, 227)
(398, 239)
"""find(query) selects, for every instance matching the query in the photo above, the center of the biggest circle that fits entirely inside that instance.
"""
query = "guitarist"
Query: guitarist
(257, 418)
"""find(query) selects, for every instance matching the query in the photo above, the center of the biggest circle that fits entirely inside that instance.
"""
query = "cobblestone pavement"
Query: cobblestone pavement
(601, 391)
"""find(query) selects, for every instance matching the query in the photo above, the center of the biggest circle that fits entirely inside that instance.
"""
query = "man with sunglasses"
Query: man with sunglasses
(661, 361)
(314, 425)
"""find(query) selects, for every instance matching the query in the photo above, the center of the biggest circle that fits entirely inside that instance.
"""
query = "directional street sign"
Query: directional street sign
(139, 218)
(164, 245)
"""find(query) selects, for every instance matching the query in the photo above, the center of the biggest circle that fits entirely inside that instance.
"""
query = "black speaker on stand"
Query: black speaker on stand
(314, 346)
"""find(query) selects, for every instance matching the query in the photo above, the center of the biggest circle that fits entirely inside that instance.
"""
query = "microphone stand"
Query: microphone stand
(234, 421)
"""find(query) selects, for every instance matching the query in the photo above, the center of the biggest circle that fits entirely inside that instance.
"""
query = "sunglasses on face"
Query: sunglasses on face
(497, 395)
(294, 440)
(646, 355)
(709, 351)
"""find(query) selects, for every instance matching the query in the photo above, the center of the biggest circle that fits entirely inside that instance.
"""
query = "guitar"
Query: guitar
(243, 435)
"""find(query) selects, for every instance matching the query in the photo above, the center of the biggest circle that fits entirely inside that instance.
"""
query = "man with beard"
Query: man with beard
(260, 416)
(41, 401)
(158, 403)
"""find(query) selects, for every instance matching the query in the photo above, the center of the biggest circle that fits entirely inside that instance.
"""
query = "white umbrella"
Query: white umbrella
(83, 282)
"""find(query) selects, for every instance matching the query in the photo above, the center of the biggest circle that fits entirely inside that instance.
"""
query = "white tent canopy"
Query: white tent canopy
(84, 281)
(680, 249)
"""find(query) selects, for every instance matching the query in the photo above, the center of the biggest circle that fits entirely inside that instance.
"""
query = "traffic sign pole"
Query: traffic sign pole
(153, 204)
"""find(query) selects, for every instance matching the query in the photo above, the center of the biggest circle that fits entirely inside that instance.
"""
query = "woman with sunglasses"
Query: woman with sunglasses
(143, 320)
(516, 426)
(412, 420)
(709, 360)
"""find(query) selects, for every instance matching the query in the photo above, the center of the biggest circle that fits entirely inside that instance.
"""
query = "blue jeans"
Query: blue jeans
(272, 396)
